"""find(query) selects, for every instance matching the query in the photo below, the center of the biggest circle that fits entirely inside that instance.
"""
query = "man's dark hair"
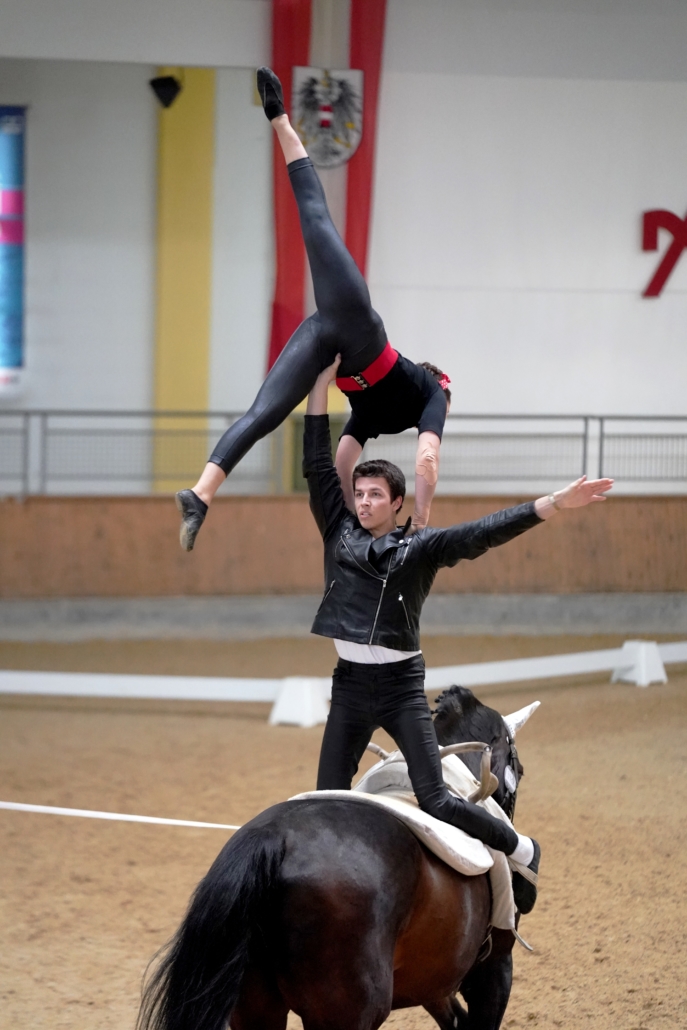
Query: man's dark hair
(438, 375)
(381, 469)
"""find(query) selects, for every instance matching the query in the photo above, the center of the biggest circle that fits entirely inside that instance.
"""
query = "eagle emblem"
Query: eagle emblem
(328, 113)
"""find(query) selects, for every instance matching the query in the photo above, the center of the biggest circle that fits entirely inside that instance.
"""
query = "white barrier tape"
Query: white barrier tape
(84, 813)
(173, 688)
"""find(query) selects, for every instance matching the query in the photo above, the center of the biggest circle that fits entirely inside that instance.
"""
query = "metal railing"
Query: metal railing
(517, 452)
(643, 450)
(143, 452)
(121, 452)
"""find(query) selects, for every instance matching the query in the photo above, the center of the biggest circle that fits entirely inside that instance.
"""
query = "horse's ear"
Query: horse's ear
(518, 719)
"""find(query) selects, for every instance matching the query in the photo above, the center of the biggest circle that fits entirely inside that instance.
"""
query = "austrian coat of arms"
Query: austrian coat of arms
(328, 113)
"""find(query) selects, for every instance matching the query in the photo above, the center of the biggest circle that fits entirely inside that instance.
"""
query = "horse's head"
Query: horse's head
(459, 716)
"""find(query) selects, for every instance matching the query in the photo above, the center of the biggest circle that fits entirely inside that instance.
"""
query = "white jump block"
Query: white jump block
(301, 701)
(644, 664)
(637, 661)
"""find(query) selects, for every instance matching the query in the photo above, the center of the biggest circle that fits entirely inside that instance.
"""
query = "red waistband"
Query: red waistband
(380, 367)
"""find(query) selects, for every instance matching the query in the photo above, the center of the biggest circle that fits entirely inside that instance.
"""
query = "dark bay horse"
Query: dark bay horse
(336, 911)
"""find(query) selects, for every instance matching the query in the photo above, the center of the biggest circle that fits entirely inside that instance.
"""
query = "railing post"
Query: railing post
(42, 452)
(26, 429)
(585, 446)
(601, 447)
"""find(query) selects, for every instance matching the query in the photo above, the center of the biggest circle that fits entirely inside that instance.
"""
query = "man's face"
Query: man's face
(373, 505)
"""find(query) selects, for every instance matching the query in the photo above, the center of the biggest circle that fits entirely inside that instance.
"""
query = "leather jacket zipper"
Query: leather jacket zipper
(400, 597)
(331, 587)
(381, 597)
(384, 580)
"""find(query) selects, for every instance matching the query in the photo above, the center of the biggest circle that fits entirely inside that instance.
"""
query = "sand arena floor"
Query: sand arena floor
(86, 904)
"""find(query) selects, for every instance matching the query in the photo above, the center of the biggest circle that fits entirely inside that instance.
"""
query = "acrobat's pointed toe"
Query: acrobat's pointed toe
(271, 93)
(193, 512)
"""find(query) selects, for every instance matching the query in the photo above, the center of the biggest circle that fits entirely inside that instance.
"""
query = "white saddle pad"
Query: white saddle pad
(388, 786)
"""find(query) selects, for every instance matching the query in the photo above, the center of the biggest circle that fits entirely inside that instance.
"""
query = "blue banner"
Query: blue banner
(12, 134)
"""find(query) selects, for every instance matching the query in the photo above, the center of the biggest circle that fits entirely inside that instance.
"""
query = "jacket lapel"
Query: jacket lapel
(361, 545)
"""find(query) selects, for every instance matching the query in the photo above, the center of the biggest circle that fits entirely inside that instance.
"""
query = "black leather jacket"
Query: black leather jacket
(375, 589)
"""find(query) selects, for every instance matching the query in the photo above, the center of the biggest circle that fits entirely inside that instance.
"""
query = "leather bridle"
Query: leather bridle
(508, 805)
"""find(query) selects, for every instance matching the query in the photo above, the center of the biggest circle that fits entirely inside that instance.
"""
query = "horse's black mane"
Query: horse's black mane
(460, 716)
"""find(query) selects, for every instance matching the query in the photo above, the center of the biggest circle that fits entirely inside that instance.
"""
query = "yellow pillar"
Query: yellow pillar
(186, 143)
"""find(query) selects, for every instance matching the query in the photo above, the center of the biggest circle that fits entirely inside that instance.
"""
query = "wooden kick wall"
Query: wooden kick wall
(127, 547)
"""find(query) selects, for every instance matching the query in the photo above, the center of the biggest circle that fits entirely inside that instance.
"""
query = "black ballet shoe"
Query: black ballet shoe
(269, 88)
(524, 892)
(193, 512)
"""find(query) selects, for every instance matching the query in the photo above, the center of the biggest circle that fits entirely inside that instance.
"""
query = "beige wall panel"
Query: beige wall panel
(126, 547)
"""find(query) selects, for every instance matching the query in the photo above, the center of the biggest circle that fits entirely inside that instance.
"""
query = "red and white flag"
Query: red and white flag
(335, 112)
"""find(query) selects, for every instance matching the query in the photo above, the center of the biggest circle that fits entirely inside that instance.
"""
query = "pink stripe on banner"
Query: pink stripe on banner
(11, 232)
(12, 203)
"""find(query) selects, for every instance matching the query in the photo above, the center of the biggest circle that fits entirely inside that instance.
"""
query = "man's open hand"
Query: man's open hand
(583, 491)
(318, 398)
(328, 375)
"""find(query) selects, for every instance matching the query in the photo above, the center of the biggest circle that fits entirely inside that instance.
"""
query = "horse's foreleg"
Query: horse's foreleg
(486, 988)
(260, 1005)
(449, 1014)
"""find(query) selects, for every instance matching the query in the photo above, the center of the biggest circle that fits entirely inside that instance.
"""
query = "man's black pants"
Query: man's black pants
(365, 697)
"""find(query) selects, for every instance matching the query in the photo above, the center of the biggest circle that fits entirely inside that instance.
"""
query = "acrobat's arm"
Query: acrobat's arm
(426, 476)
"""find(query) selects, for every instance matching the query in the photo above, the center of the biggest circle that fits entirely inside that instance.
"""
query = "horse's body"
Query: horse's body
(336, 911)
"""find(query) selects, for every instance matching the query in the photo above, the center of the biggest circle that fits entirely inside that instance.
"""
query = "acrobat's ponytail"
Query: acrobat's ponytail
(441, 377)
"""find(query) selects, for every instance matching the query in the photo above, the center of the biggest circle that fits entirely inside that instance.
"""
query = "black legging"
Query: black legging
(365, 697)
(345, 324)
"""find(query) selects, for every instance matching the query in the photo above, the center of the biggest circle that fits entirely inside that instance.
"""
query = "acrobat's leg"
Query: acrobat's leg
(345, 324)
(289, 380)
(343, 300)
(409, 722)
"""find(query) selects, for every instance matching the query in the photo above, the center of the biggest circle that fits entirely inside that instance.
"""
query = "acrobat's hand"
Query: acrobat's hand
(582, 492)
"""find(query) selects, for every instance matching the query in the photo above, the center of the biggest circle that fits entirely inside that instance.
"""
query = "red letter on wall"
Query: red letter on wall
(652, 222)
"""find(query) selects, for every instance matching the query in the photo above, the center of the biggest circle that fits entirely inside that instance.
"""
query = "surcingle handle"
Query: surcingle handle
(377, 750)
(488, 782)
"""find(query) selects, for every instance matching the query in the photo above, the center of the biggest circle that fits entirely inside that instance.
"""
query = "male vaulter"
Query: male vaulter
(377, 577)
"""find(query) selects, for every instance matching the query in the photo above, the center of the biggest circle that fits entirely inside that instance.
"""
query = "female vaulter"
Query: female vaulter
(387, 392)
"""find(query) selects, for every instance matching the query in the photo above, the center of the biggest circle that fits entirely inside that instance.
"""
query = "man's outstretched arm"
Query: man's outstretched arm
(326, 496)
(471, 539)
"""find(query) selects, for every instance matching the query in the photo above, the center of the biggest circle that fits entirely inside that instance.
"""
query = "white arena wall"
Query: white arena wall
(90, 232)
(518, 146)
(519, 142)
(243, 259)
(90, 235)
(196, 32)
